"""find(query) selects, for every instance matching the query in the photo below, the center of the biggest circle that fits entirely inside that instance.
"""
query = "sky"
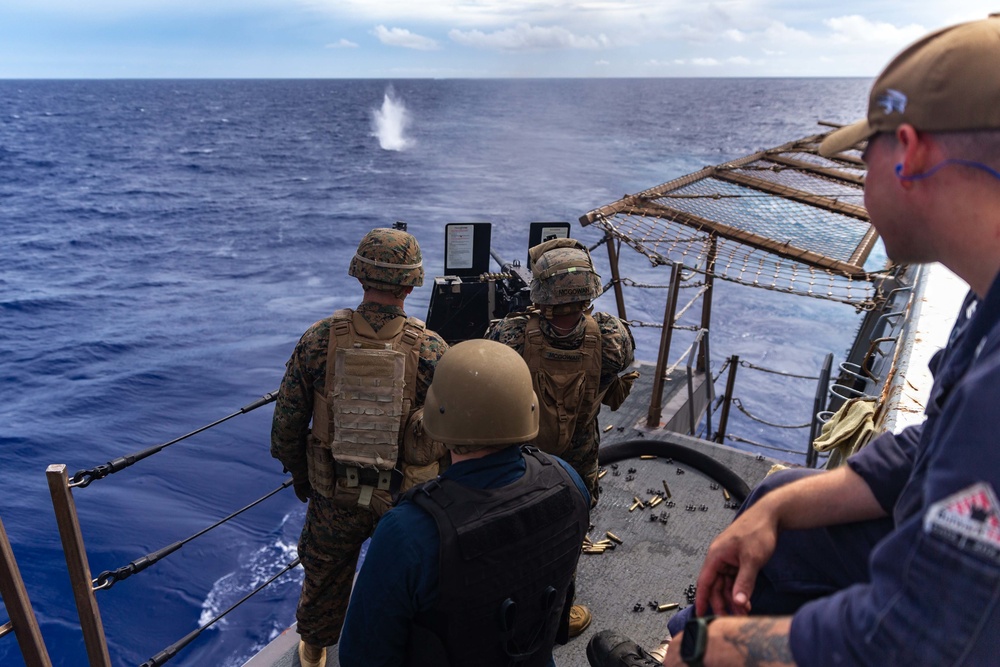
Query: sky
(462, 38)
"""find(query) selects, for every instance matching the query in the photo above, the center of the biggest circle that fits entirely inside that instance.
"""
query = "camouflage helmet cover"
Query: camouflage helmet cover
(388, 259)
(563, 272)
(481, 396)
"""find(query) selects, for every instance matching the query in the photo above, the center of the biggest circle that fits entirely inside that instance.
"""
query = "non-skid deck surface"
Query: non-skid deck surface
(659, 559)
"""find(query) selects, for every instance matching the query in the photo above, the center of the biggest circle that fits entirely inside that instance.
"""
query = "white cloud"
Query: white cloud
(341, 44)
(739, 37)
(493, 13)
(857, 29)
(526, 37)
(404, 38)
(779, 33)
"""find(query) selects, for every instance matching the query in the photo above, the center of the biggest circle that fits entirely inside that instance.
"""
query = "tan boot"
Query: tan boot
(660, 652)
(311, 656)
(579, 619)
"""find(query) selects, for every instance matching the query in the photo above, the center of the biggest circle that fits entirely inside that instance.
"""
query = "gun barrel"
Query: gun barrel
(499, 260)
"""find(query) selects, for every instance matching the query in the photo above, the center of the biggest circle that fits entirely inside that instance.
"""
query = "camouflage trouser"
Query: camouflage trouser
(329, 547)
(582, 456)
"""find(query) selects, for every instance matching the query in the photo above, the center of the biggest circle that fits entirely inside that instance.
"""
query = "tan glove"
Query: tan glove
(619, 389)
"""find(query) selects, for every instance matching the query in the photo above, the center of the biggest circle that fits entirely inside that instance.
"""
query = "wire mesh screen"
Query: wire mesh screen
(785, 219)
(798, 179)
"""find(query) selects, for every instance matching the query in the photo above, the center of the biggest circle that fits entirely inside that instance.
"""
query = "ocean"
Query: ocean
(165, 243)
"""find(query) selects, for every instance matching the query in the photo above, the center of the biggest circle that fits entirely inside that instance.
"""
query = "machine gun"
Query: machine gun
(468, 296)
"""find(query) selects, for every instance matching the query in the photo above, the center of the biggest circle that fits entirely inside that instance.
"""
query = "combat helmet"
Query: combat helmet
(388, 259)
(481, 396)
(563, 272)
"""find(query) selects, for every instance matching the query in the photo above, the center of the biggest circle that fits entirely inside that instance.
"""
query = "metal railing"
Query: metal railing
(22, 621)
(61, 487)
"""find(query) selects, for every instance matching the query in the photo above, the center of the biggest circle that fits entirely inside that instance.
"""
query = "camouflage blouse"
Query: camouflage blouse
(305, 373)
(617, 344)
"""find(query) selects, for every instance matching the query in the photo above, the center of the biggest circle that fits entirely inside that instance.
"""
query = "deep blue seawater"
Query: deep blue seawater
(164, 244)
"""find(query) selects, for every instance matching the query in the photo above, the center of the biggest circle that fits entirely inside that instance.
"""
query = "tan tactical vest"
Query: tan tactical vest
(567, 383)
(358, 423)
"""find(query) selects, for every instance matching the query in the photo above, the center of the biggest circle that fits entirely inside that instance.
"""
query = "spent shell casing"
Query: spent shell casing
(608, 427)
(602, 474)
(635, 505)
(655, 500)
(613, 537)
(668, 606)
(725, 494)
(666, 488)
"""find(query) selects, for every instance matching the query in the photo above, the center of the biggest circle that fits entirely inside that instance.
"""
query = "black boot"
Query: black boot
(611, 649)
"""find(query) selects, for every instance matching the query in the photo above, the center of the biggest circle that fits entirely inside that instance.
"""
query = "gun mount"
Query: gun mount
(469, 295)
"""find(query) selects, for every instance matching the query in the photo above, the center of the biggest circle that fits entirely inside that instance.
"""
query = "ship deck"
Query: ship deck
(661, 548)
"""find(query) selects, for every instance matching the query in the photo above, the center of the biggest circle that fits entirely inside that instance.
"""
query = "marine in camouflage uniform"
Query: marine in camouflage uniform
(563, 284)
(575, 358)
(617, 348)
(388, 265)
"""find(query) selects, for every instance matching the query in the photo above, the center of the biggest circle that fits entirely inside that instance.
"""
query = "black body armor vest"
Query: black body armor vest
(507, 561)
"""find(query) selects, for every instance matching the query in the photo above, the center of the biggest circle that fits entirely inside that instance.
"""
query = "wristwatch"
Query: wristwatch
(695, 640)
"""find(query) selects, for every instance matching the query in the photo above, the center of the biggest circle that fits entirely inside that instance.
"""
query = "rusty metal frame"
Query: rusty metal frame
(22, 623)
(644, 204)
(77, 565)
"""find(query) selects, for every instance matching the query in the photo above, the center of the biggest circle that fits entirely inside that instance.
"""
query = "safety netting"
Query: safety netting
(784, 219)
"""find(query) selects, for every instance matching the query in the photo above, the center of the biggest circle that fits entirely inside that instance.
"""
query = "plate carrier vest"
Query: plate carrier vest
(567, 383)
(506, 566)
(370, 393)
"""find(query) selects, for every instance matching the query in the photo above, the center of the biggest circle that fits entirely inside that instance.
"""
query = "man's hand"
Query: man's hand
(734, 558)
(303, 490)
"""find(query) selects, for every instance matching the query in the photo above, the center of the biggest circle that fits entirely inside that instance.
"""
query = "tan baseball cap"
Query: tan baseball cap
(946, 81)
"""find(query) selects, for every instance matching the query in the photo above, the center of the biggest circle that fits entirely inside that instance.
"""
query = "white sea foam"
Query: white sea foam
(256, 567)
(390, 122)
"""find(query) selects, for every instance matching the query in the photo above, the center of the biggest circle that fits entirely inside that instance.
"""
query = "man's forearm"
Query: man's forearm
(835, 497)
(758, 641)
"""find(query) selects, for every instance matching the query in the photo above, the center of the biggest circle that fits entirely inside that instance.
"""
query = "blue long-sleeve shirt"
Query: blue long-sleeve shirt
(934, 594)
(399, 577)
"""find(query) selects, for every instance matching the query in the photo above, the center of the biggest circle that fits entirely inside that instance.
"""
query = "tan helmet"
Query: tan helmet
(388, 259)
(481, 396)
(563, 272)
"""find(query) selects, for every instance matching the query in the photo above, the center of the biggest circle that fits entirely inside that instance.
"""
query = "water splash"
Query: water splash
(256, 568)
(389, 123)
